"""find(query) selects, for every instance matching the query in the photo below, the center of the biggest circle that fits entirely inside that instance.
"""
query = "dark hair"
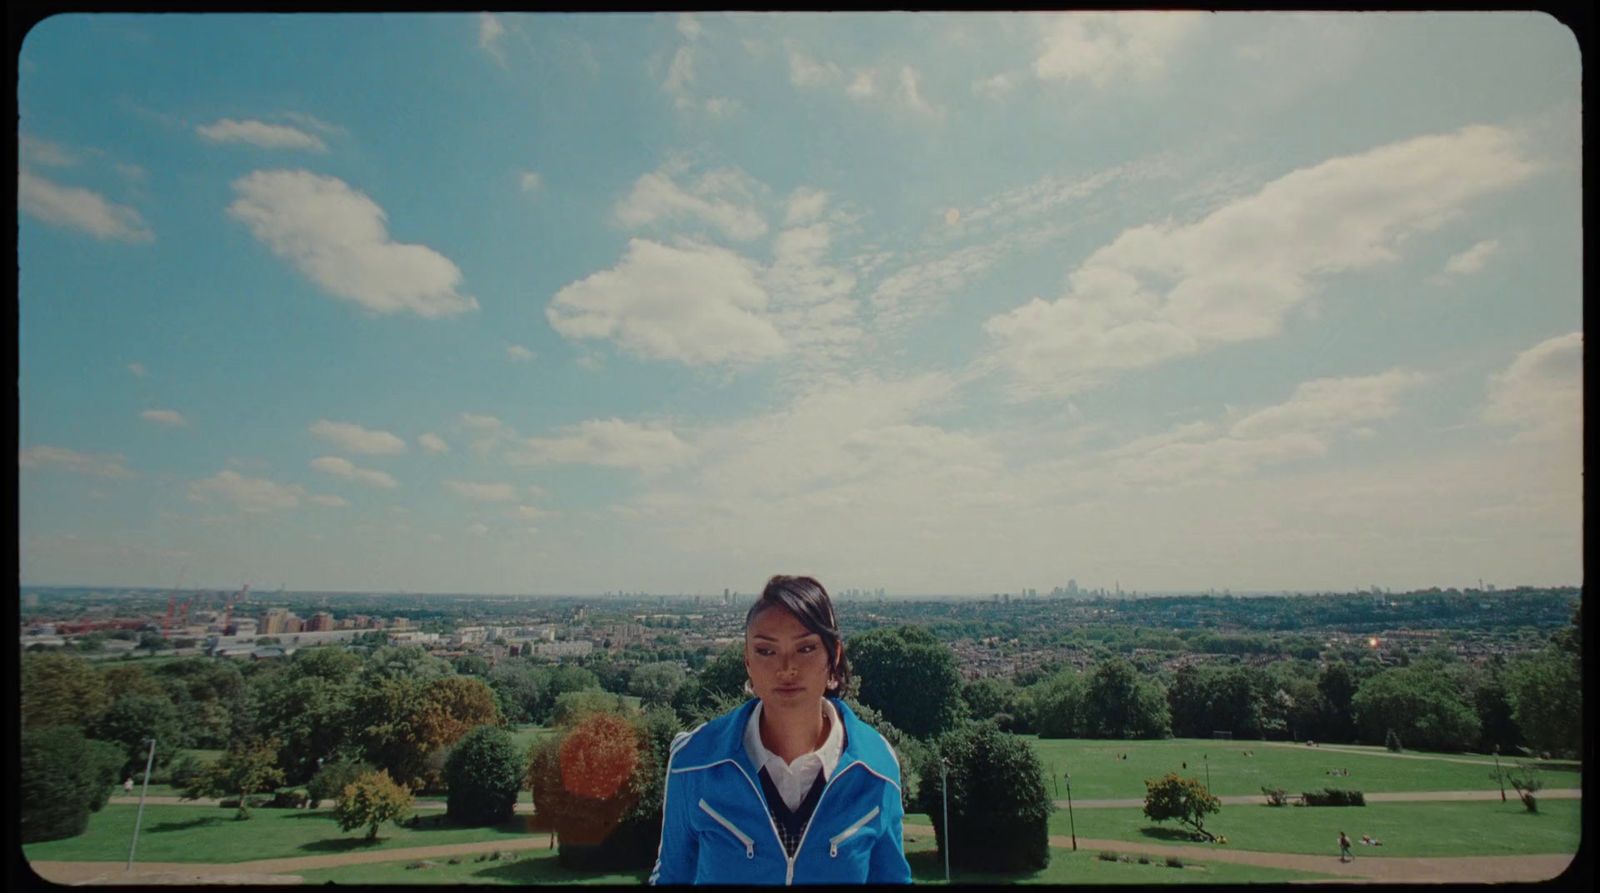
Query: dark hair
(805, 598)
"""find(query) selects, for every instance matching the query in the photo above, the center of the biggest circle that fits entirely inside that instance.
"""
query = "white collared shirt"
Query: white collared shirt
(794, 780)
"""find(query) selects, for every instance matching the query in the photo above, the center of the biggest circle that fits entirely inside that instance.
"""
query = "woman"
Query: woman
(790, 787)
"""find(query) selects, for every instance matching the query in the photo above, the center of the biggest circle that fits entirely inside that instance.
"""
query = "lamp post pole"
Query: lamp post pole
(1207, 758)
(1499, 777)
(1071, 822)
(139, 816)
(944, 793)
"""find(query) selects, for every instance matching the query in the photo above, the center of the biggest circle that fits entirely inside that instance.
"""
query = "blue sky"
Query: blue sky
(936, 303)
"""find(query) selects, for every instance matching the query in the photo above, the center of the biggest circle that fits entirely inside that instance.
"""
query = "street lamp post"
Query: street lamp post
(1071, 822)
(139, 816)
(1498, 776)
(1207, 758)
(944, 793)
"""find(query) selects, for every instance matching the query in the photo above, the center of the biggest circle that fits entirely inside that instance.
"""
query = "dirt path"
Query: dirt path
(1367, 752)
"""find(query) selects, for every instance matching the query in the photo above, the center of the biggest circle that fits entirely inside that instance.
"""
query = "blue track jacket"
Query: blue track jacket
(716, 828)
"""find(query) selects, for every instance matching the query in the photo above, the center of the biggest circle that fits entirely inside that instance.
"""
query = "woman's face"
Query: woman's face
(787, 663)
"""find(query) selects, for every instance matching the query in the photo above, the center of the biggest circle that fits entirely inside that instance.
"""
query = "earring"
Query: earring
(747, 688)
(833, 683)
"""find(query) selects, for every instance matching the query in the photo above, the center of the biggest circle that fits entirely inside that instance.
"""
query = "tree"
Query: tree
(656, 683)
(471, 665)
(371, 800)
(910, 677)
(1184, 800)
(249, 767)
(519, 686)
(990, 697)
(60, 690)
(130, 680)
(725, 674)
(1421, 703)
(1525, 779)
(403, 661)
(999, 806)
(1492, 701)
(588, 777)
(453, 706)
(1058, 705)
(307, 706)
(132, 720)
(64, 777)
(484, 774)
(1547, 695)
(574, 705)
(330, 780)
(207, 694)
(1119, 704)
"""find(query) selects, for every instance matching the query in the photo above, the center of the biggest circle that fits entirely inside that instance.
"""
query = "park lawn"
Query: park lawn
(537, 866)
(523, 736)
(1083, 867)
(1098, 774)
(1066, 867)
(211, 834)
(1441, 828)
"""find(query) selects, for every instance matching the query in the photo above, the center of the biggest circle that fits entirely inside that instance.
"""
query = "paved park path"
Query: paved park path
(1397, 869)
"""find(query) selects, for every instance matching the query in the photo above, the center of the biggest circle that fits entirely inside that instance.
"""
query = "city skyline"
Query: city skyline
(585, 303)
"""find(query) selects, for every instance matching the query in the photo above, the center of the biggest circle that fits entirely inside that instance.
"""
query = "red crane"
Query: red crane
(227, 614)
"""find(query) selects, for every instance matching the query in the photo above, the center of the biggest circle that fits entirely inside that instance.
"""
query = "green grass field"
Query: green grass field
(1066, 867)
(524, 735)
(1407, 829)
(210, 834)
(1098, 774)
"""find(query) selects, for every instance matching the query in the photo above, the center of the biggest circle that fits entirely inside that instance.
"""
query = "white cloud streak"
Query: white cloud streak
(79, 209)
(344, 468)
(1105, 48)
(356, 439)
(165, 417)
(433, 443)
(338, 237)
(1541, 391)
(260, 134)
(247, 493)
(483, 492)
(105, 465)
(610, 442)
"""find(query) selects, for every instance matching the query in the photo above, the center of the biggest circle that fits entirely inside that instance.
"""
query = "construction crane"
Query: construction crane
(227, 614)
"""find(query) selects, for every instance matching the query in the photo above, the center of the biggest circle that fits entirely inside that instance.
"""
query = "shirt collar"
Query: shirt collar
(830, 751)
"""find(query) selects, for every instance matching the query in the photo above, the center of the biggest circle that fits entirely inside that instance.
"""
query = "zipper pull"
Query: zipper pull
(833, 850)
(749, 851)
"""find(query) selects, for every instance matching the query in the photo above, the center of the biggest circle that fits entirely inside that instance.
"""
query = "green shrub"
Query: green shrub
(1276, 796)
(293, 798)
(484, 776)
(1174, 862)
(1334, 797)
(1392, 742)
(1107, 856)
(999, 807)
(64, 777)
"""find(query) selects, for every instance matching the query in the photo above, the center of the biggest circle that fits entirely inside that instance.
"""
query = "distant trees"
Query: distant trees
(999, 806)
(655, 683)
(999, 699)
(910, 677)
(60, 690)
(1421, 703)
(132, 720)
(1058, 705)
(1121, 704)
(64, 777)
(331, 778)
(1546, 690)
(1337, 684)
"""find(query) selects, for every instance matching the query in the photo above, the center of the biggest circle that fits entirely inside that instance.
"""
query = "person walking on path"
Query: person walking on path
(1344, 848)
(127, 784)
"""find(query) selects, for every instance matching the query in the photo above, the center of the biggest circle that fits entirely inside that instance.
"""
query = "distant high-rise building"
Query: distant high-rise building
(322, 621)
(1072, 587)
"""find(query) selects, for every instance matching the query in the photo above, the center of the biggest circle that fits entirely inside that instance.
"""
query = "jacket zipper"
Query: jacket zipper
(749, 845)
(789, 879)
(835, 840)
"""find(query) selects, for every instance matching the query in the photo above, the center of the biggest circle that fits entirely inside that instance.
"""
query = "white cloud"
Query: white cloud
(356, 439)
(32, 150)
(335, 502)
(1303, 427)
(696, 304)
(530, 182)
(918, 286)
(863, 85)
(1331, 405)
(107, 465)
(260, 134)
(137, 369)
(341, 467)
(433, 443)
(995, 87)
(680, 74)
(611, 442)
(526, 513)
(689, 27)
(247, 493)
(911, 95)
(1102, 48)
(1162, 291)
(483, 492)
(805, 205)
(164, 417)
(1473, 259)
(1541, 391)
(811, 300)
(338, 237)
(805, 71)
(489, 33)
(516, 353)
(79, 209)
(481, 422)
(723, 198)
(721, 106)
